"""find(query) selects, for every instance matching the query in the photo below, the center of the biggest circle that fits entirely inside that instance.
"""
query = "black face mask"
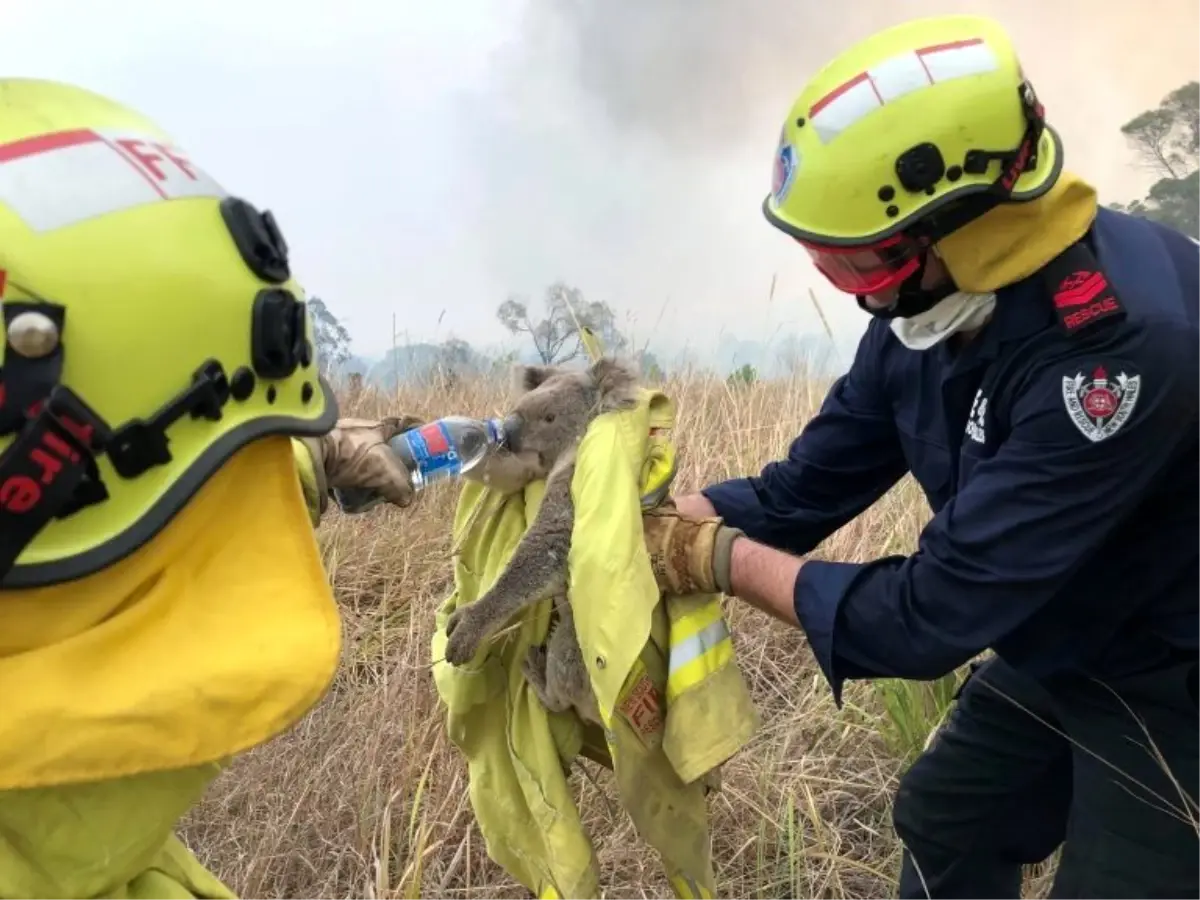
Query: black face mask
(912, 299)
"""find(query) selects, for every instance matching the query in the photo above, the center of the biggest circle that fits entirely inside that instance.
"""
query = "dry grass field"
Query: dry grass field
(366, 797)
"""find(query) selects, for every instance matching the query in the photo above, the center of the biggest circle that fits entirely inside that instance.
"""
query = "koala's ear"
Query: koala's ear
(616, 382)
(529, 377)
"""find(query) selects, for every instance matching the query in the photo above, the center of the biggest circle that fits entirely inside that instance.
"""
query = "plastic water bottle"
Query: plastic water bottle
(445, 448)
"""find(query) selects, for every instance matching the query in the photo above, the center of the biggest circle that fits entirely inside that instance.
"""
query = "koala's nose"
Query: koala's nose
(512, 433)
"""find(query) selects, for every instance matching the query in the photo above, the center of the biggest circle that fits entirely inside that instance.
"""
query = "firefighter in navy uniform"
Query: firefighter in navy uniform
(1032, 361)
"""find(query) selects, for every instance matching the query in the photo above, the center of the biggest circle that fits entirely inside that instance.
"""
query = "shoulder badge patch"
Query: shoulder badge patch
(1081, 292)
(1101, 404)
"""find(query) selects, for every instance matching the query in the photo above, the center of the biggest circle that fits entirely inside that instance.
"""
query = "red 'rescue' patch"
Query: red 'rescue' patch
(1079, 288)
(1081, 292)
(1084, 297)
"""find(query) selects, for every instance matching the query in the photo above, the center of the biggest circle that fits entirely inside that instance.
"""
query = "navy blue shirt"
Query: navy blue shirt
(1062, 470)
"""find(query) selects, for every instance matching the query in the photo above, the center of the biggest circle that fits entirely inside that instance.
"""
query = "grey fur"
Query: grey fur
(552, 416)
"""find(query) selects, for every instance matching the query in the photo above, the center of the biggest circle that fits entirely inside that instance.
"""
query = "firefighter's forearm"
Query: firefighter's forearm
(310, 470)
(765, 578)
(695, 505)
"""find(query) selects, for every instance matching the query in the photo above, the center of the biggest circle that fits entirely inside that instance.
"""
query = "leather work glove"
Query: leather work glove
(688, 555)
(355, 455)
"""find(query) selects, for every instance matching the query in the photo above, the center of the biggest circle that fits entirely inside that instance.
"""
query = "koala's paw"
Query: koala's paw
(464, 634)
(534, 665)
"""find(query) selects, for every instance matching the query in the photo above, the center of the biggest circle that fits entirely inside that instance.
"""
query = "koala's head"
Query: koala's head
(558, 404)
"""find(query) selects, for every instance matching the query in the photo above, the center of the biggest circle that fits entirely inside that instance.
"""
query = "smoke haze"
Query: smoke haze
(426, 159)
(637, 139)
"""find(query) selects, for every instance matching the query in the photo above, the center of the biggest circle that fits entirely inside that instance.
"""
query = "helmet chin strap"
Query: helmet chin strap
(912, 299)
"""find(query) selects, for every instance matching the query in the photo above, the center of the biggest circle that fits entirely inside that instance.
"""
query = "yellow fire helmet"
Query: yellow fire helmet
(152, 328)
(902, 140)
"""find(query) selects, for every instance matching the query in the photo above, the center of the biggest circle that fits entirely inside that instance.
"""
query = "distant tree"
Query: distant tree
(332, 338)
(649, 366)
(454, 360)
(1167, 141)
(1172, 201)
(555, 335)
(744, 376)
(501, 364)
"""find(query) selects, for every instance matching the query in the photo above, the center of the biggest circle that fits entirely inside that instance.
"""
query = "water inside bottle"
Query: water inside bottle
(442, 449)
(446, 448)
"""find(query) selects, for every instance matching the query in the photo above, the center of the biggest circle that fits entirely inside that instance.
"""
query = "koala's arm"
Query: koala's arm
(538, 567)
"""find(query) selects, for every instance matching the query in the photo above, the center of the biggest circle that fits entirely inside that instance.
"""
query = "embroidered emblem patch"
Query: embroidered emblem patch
(787, 161)
(641, 707)
(1100, 405)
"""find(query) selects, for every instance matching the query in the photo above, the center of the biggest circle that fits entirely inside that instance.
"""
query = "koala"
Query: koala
(543, 432)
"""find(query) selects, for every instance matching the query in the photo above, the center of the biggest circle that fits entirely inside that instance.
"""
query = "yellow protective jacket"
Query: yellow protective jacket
(125, 692)
(663, 671)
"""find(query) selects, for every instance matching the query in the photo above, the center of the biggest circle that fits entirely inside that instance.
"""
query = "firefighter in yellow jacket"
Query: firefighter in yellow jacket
(163, 605)
(162, 600)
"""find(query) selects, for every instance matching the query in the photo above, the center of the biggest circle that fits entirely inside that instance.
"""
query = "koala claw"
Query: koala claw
(462, 640)
(534, 665)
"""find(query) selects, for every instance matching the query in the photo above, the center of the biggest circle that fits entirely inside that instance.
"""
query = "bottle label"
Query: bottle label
(433, 451)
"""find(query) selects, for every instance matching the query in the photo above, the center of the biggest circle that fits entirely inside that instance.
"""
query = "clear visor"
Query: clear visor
(870, 268)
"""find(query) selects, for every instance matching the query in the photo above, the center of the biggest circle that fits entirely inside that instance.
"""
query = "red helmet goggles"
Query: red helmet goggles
(868, 268)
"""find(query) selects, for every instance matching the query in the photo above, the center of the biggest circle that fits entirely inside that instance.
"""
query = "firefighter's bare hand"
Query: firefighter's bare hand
(689, 554)
(355, 455)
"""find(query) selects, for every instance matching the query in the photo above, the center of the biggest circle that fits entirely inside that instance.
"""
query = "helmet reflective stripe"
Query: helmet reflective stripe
(938, 125)
(93, 173)
(895, 77)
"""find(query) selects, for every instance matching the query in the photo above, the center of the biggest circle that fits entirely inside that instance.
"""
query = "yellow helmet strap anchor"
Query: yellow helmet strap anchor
(49, 470)
(922, 166)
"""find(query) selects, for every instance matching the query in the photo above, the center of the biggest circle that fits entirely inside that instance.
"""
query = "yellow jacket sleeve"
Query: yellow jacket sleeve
(312, 480)
(640, 649)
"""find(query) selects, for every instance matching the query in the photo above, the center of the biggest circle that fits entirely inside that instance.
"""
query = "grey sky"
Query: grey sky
(427, 159)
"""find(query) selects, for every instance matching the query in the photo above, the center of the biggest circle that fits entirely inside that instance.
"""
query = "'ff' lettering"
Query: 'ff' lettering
(151, 157)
